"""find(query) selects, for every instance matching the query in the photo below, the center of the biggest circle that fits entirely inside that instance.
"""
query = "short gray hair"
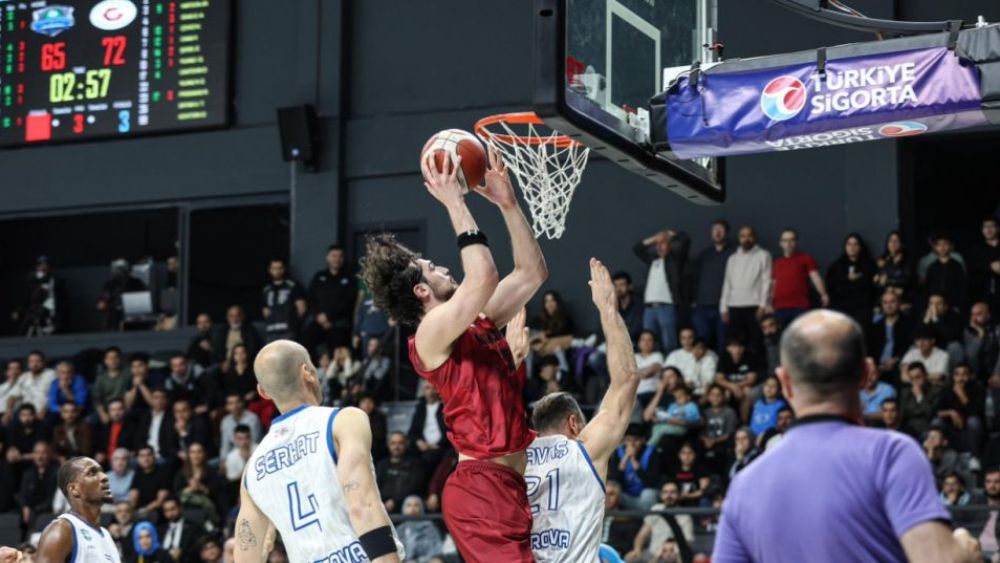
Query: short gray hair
(552, 409)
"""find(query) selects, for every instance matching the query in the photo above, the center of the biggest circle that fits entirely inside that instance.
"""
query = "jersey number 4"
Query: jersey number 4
(534, 491)
(301, 519)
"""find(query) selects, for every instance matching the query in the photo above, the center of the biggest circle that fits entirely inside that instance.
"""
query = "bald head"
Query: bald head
(824, 351)
(278, 368)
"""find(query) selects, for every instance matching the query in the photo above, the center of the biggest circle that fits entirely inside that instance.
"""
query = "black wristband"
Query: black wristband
(378, 542)
(472, 237)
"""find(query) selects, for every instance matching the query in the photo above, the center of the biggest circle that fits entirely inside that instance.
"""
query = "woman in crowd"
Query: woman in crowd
(146, 546)
(691, 477)
(339, 376)
(743, 451)
(649, 361)
(851, 281)
(555, 328)
(198, 486)
(895, 269)
(238, 376)
(554, 325)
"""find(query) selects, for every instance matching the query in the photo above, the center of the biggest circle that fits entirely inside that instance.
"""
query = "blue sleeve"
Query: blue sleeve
(54, 396)
(693, 414)
(909, 494)
(729, 546)
(80, 391)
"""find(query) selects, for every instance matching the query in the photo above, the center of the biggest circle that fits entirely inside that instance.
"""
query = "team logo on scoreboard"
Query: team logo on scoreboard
(902, 129)
(52, 20)
(783, 98)
(110, 15)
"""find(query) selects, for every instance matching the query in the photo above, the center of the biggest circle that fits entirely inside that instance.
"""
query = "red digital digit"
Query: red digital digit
(78, 123)
(54, 56)
(114, 50)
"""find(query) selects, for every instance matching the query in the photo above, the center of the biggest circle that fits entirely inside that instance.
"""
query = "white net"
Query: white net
(547, 168)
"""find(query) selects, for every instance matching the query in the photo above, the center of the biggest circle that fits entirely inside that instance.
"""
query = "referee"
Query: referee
(833, 491)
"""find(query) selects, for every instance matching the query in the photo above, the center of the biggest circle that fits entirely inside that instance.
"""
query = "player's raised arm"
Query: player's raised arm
(254, 532)
(56, 543)
(604, 433)
(530, 271)
(444, 323)
(353, 438)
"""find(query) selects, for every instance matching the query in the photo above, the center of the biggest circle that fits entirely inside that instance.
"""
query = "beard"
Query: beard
(445, 293)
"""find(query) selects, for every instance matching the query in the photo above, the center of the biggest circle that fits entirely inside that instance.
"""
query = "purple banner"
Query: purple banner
(889, 95)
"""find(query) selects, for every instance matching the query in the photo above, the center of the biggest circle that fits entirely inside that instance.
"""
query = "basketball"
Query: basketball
(455, 142)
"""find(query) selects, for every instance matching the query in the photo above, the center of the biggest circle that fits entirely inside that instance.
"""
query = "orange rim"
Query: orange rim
(520, 118)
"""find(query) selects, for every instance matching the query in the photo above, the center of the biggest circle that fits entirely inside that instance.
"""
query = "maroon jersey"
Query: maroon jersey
(481, 393)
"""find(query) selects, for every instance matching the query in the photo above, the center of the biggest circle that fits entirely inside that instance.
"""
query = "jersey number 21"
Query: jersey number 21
(534, 491)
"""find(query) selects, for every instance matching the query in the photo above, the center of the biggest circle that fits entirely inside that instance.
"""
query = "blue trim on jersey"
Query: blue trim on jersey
(99, 529)
(329, 435)
(289, 414)
(590, 462)
(72, 556)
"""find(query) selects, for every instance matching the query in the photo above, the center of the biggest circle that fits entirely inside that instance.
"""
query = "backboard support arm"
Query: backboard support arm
(819, 10)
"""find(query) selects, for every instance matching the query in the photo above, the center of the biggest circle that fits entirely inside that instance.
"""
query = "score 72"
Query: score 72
(114, 50)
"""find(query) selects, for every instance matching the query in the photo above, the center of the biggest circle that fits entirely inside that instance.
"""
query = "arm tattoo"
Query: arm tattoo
(351, 486)
(246, 537)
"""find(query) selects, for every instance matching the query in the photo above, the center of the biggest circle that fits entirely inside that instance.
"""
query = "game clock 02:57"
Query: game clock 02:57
(70, 86)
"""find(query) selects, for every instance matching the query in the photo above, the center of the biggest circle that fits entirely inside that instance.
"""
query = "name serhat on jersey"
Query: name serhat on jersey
(292, 478)
(567, 501)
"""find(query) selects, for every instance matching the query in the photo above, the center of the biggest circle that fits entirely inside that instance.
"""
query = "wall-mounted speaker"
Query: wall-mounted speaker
(297, 126)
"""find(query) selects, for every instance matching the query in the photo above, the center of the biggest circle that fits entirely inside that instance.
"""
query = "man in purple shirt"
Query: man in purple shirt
(831, 490)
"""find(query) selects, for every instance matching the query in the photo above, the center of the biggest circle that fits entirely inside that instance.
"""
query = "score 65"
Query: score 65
(53, 56)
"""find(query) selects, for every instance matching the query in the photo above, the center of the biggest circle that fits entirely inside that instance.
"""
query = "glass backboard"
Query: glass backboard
(598, 63)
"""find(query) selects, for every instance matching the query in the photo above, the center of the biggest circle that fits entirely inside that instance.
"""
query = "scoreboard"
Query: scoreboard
(83, 69)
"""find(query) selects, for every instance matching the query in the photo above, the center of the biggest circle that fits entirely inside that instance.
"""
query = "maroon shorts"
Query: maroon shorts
(485, 507)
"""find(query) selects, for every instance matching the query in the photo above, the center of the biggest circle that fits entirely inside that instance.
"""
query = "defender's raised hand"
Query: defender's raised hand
(498, 188)
(601, 288)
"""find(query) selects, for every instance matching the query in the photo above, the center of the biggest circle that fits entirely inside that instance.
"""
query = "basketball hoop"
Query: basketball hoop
(548, 166)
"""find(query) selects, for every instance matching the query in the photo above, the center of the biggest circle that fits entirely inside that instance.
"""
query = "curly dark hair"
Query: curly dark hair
(390, 271)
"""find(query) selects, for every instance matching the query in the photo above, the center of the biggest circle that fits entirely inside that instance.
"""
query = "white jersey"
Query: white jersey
(292, 478)
(91, 544)
(567, 501)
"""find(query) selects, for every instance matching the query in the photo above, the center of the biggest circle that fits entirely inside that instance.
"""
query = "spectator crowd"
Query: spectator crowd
(707, 329)
(174, 432)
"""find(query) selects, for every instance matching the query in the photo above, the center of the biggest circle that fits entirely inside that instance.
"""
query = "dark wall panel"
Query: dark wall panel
(412, 68)
(419, 56)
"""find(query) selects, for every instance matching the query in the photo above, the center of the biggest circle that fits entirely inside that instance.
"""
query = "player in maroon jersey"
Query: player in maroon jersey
(458, 347)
